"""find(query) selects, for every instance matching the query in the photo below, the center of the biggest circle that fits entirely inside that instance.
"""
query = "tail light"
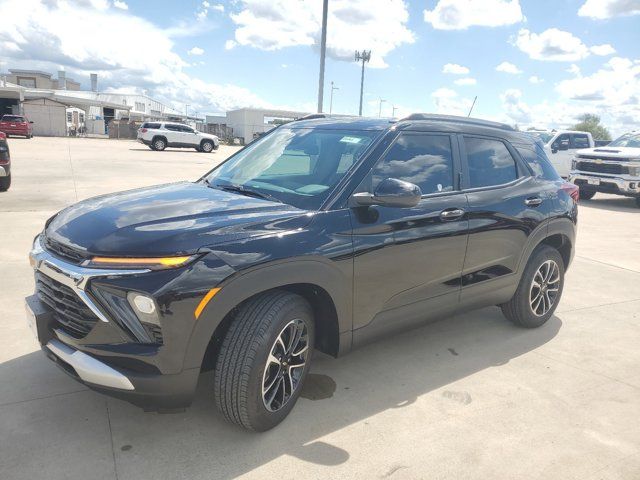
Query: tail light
(143, 130)
(572, 190)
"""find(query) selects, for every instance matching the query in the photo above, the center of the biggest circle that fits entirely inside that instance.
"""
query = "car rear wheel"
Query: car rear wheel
(207, 146)
(5, 183)
(264, 359)
(586, 194)
(159, 144)
(539, 291)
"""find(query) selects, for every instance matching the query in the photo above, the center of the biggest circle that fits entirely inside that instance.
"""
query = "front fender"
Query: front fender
(314, 270)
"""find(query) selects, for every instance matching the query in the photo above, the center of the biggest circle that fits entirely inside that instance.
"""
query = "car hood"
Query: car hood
(611, 152)
(169, 219)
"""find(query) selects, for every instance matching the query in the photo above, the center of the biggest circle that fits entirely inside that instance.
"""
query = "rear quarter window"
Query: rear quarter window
(12, 118)
(537, 161)
(153, 126)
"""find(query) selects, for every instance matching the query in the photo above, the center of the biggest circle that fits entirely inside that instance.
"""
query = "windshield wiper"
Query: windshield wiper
(243, 190)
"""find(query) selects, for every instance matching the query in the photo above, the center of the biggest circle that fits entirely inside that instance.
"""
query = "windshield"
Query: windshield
(297, 166)
(627, 140)
(544, 136)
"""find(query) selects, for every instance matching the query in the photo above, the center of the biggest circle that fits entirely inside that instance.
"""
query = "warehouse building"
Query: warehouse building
(249, 123)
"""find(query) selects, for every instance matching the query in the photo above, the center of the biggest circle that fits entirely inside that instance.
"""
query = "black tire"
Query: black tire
(638, 202)
(207, 146)
(242, 366)
(520, 309)
(586, 194)
(5, 183)
(159, 144)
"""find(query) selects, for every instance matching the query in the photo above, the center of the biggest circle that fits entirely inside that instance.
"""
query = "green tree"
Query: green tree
(591, 123)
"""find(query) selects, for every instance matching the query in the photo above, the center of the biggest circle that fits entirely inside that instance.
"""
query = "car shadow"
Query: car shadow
(183, 150)
(388, 375)
(613, 204)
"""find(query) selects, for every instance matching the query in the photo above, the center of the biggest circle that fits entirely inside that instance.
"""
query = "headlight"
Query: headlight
(635, 171)
(150, 263)
(574, 164)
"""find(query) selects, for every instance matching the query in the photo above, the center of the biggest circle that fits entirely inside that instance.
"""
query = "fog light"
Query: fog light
(632, 186)
(142, 303)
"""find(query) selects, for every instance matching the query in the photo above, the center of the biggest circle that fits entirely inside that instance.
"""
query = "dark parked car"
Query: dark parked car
(5, 164)
(16, 125)
(323, 234)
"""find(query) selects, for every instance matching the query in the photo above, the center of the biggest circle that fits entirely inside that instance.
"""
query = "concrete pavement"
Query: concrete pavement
(468, 397)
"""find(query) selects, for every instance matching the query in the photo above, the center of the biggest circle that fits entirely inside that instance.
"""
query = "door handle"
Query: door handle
(533, 201)
(451, 214)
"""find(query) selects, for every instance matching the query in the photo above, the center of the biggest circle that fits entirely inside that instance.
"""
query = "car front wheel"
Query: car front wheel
(207, 146)
(264, 359)
(539, 290)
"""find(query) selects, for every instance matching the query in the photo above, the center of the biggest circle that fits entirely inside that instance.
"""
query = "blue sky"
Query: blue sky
(558, 58)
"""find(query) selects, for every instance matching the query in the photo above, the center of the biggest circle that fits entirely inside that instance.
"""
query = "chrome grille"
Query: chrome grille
(65, 253)
(71, 313)
(610, 168)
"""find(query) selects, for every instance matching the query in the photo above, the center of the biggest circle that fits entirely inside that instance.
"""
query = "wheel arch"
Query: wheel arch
(319, 283)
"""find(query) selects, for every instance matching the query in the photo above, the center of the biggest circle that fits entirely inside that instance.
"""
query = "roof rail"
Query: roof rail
(311, 116)
(434, 117)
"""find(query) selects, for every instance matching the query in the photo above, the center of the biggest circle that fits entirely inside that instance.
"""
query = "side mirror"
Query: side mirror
(564, 145)
(30, 122)
(390, 192)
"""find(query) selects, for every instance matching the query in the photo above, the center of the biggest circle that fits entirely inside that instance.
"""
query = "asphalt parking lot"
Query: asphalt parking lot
(468, 397)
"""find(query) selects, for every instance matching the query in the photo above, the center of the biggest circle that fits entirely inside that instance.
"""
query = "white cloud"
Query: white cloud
(603, 50)
(465, 81)
(574, 69)
(462, 14)
(514, 107)
(218, 7)
(455, 69)
(379, 25)
(230, 44)
(601, 9)
(448, 102)
(196, 51)
(551, 45)
(121, 5)
(535, 79)
(36, 34)
(508, 67)
(613, 92)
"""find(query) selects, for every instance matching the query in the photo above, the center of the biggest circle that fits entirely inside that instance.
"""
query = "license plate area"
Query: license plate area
(39, 319)
(593, 181)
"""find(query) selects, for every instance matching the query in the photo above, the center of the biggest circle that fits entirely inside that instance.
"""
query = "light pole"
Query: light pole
(365, 56)
(323, 50)
(380, 107)
(393, 115)
(331, 98)
(186, 111)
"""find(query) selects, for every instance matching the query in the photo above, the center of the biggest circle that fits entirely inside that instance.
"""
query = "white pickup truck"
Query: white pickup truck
(611, 169)
(561, 146)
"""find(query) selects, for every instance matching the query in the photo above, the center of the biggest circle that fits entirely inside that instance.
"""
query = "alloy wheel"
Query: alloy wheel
(544, 288)
(207, 147)
(285, 365)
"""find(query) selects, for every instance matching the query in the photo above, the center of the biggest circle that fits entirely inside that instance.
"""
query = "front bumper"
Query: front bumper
(617, 184)
(147, 375)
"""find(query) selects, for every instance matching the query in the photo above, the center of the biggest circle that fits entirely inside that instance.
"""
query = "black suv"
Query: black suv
(324, 234)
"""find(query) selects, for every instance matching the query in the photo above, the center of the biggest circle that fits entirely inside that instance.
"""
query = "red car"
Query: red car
(16, 125)
(5, 164)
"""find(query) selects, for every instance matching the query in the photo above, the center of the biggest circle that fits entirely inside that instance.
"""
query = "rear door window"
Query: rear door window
(489, 161)
(425, 160)
(153, 126)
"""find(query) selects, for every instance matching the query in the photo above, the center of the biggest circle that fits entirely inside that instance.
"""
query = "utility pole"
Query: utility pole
(331, 100)
(323, 51)
(186, 111)
(393, 115)
(365, 56)
(380, 107)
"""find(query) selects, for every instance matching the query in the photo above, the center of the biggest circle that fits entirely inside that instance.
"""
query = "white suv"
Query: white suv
(160, 135)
